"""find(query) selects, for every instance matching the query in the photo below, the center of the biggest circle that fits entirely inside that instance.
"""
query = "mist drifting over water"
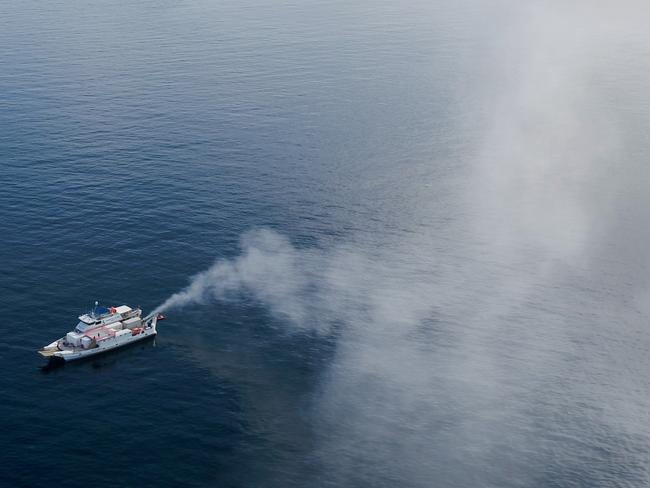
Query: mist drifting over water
(441, 353)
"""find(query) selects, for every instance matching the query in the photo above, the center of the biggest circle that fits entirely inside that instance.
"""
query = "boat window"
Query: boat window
(81, 326)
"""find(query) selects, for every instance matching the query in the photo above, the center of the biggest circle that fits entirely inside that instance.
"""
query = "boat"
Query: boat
(100, 330)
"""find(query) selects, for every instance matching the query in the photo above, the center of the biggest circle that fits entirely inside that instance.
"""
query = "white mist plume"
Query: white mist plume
(269, 267)
(447, 347)
(311, 288)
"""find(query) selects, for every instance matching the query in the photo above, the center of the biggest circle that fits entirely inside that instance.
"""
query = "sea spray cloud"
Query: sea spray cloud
(311, 287)
(268, 267)
(459, 354)
(302, 286)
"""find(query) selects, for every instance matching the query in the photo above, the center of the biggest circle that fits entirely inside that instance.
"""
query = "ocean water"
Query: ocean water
(431, 219)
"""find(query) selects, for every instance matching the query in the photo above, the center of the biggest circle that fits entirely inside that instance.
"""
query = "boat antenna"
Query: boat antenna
(95, 309)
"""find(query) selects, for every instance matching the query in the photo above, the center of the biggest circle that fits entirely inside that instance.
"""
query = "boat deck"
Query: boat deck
(47, 353)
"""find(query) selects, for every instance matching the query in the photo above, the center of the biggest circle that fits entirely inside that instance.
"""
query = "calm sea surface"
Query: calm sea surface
(457, 287)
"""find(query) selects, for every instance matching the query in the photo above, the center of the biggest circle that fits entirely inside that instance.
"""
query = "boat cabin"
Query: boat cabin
(102, 316)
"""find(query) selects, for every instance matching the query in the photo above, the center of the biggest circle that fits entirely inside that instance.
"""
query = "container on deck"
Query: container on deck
(132, 322)
(73, 338)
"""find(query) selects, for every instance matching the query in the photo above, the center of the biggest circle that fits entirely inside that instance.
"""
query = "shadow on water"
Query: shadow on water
(104, 360)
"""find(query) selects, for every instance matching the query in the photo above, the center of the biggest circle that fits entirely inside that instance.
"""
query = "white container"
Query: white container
(86, 342)
(132, 322)
(73, 338)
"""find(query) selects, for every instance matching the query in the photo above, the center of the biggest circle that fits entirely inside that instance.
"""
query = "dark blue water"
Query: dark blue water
(456, 288)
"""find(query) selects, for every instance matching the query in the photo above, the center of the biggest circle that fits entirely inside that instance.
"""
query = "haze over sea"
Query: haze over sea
(418, 232)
